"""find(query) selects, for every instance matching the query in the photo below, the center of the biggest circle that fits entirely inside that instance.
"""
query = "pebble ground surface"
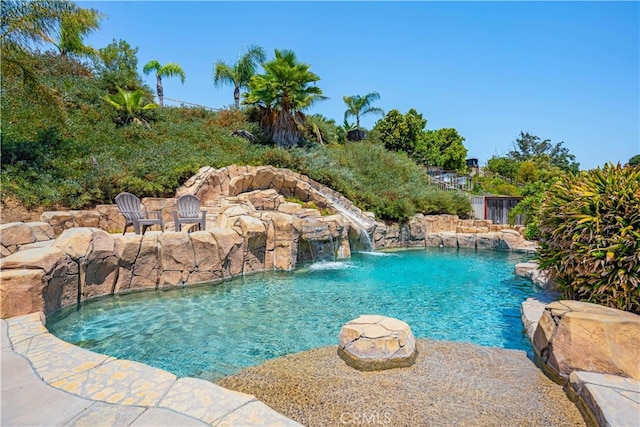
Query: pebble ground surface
(451, 384)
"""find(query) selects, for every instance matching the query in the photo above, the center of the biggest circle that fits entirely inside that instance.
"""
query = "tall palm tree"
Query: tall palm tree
(281, 94)
(358, 106)
(239, 73)
(170, 69)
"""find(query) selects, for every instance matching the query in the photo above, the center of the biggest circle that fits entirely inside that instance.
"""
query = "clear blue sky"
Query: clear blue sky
(564, 71)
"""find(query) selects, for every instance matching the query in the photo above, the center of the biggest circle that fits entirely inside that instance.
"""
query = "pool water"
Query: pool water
(215, 330)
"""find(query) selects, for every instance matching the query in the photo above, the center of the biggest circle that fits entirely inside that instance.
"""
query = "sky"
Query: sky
(564, 71)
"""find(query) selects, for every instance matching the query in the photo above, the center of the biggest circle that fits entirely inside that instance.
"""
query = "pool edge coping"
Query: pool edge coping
(104, 376)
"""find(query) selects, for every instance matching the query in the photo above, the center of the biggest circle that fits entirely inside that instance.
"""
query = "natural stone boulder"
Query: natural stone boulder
(532, 308)
(14, 234)
(263, 199)
(111, 220)
(471, 229)
(54, 276)
(165, 206)
(375, 343)
(41, 231)
(573, 335)
(417, 230)
(487, 241)
(285, 231)
(254, 234)
(127, 248)
(230, 245)
(510, 239)
(289, 207)
(21, 292)
(441, 223)
(231, 210)
(386, 235)
(543, 279)
(466, 240)
(146, 269)
(177, 258)
(317, 242)
(207, 257)
(58, 220)
(449, 239)
(94, 252)
(40, 258)
(539, 277)
(525, 269)
(86, 218)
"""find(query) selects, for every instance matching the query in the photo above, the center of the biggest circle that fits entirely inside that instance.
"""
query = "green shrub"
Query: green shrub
(82, 158)
(590, 236)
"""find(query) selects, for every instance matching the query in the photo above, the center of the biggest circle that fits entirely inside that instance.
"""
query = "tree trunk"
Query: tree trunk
(284, 130)
(236, 97)
(160, 91)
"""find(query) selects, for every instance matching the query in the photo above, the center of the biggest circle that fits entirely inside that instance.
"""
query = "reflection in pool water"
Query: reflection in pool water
(215, 330)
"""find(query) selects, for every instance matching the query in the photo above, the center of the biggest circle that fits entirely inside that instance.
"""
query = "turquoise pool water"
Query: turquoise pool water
(215, 330)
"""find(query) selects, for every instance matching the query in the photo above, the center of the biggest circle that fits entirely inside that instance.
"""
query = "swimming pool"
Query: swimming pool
(215, 330)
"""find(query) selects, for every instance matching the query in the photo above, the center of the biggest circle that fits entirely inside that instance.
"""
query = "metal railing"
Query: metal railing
(180, 103)
(450, 180)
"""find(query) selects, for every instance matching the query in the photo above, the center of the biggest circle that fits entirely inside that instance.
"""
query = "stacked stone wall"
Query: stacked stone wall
(250, 227)
(84, 263)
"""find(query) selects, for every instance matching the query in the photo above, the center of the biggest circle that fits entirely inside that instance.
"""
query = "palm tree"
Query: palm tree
(320, 128)
(239, 73)
(73, 28)
(168, 70)
(358, 106)
(130, 104)
(281, 94)
(25, 25)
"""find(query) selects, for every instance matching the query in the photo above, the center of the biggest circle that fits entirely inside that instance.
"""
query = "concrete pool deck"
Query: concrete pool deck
(46, 381)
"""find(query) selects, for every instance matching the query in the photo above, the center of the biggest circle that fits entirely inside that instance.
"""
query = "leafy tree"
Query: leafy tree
(529, 206)
(131, 105)
(170, 69)
(358, 106)
(73, 28)
(239, 73)
(503, 166)
(401, 132)
(531, 147)
(445, 148)
(117, 65)
(634, 161)
(528, 172)
(281, 94)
